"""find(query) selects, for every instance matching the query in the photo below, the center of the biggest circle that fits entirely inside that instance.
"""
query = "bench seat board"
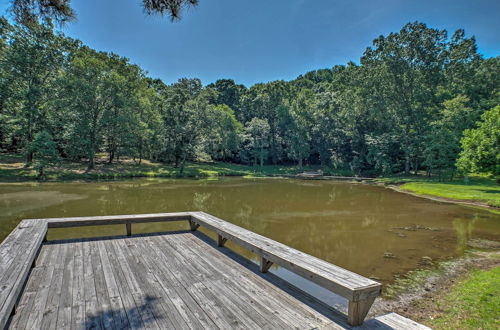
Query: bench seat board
(17, 255)
(352, 286)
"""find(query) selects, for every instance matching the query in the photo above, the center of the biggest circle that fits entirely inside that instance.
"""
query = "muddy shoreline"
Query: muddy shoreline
(421, 303)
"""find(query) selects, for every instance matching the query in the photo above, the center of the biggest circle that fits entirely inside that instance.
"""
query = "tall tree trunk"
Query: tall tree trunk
(407, 164)
(300, 163)
(30, 133)
(111, 156)
(29, 153)
(274, 149)
(183, 163)
(29, 158)
(261, 156)
(93, 138)
(91, 164)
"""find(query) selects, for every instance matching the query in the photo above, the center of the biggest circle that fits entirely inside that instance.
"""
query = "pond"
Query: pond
(370, 230)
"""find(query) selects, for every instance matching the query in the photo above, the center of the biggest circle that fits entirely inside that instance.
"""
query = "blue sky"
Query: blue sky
(263, 40)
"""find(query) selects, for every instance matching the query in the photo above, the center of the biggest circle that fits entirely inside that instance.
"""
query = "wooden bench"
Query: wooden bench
(358, 290)
(17, 255)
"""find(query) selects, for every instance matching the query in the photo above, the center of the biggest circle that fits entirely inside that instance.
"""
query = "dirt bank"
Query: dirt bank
(422, 302)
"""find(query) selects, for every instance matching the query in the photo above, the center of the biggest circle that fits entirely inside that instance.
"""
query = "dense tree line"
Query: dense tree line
(417, 100)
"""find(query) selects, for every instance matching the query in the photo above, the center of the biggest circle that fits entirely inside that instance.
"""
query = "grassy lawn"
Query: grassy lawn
(473, 303)
(477, 189)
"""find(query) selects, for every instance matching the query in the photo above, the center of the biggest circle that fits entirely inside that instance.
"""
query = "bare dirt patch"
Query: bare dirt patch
(422, 303)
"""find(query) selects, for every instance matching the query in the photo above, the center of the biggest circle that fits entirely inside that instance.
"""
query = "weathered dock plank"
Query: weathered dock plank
(77, 293)
(264, 299)
(116, 219)
(182, 300)
(392, 321)
(131, 311)
(17, 256)
(359, 290)
(123, 267)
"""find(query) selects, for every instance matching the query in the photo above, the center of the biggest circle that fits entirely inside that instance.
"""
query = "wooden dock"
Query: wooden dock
(175, 280)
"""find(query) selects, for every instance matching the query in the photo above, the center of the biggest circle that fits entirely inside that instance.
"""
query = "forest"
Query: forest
(418, 100)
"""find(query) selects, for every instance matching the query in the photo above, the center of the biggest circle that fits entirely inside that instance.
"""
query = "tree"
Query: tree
(230, 94)
(266, 101)
(223, 138)
(61, 11)
(299, 132)
(407, 66)
(88, 90)
(481, 146)
(405, 106)
(186, 116)
(31, 64)
(144, 138)
(443, 140)
(45, 152)
(257, 135)
(122, 120)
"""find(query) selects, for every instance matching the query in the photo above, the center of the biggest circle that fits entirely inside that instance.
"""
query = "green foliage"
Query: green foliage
(257, 139)
(481, 146)
(404, 107)
(473, 303)
(45, 152)
(30, 65)
(443, 140)
(223, 138)
(300, 126)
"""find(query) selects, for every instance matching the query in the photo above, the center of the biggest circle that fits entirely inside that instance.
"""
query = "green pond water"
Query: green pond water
(350, 225)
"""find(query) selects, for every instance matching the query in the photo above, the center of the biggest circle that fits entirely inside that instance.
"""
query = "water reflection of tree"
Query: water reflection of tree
(464, 229)
(201, 201)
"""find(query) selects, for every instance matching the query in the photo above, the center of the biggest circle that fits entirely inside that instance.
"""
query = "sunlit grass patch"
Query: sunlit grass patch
(473, 303)
(483, 190)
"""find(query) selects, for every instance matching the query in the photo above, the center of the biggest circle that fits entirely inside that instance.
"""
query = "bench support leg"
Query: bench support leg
(265, 264)
(193, 225)
(129, 229)
(221, 241)
(357, 311)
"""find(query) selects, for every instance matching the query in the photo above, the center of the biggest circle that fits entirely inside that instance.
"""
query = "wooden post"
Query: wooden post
(265, 264)
(129, 229)
(221, 241)
(357, 311)
(193, 225)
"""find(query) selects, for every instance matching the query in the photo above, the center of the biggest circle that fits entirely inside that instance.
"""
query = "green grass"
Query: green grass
(473, 303)
(477, 189)
(12, 170)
